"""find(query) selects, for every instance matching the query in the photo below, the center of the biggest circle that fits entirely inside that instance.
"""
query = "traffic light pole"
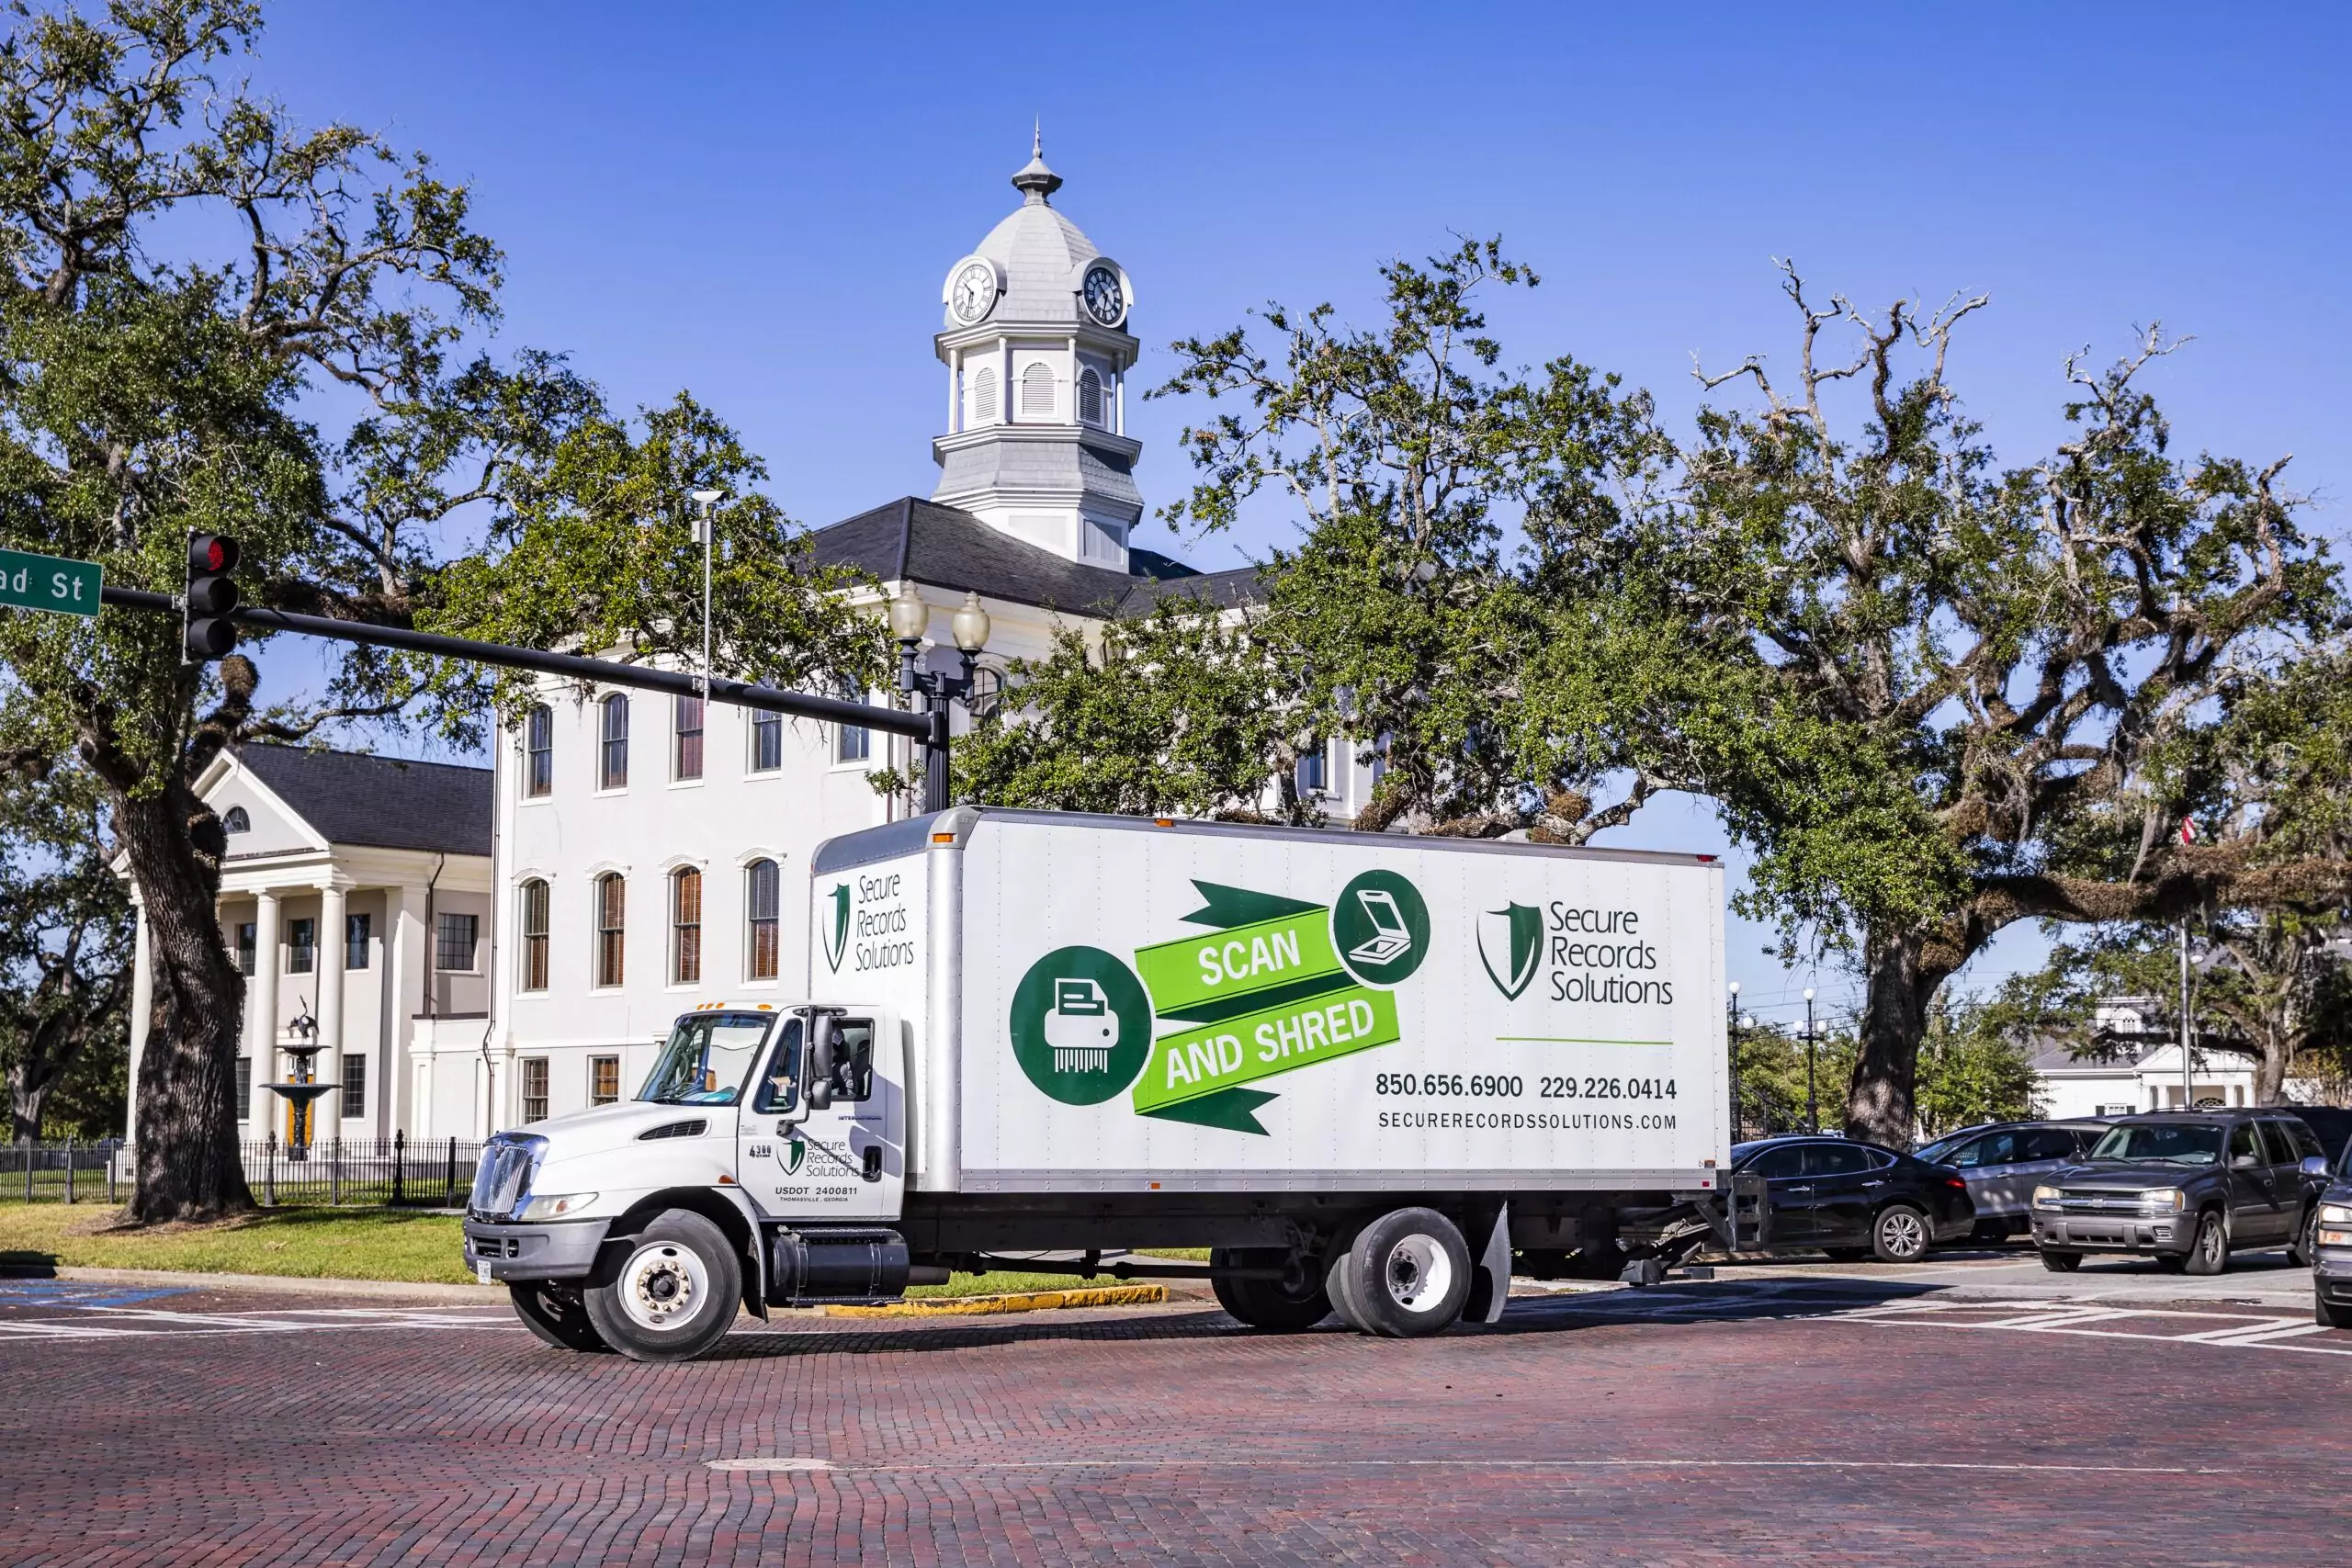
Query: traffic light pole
(919, 727)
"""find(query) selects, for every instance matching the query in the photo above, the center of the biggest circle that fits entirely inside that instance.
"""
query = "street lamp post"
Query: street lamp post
(1811, 1103)
(910, 616)
(706, 498)
(1733, 1074)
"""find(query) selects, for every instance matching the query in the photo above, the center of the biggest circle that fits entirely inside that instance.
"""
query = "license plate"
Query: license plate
(481, 1270)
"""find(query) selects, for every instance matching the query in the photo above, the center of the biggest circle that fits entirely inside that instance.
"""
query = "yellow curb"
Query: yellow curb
(1027, 1301)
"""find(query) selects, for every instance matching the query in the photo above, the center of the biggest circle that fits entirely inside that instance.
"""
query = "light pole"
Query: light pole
(1733, 1011)
(706, 498)
(1811, 1104)
(908, 618)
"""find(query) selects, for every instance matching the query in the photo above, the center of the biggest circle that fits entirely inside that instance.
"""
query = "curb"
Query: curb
(282, 1284)
(1027, 1301)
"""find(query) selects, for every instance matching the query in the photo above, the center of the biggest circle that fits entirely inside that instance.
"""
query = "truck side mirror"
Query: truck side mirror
(822, 1054)
(2315, 1165)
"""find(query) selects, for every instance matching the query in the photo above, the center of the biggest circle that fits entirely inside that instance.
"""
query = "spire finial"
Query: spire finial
(1035, 182)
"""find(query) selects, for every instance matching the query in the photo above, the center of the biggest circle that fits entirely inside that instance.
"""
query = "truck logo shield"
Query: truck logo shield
(794, 1153)
(837, 929)
(1510, 940)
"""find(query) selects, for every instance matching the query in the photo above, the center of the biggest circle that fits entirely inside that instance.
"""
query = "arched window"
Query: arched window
(762, 886)
(534, 912)
(686, 926)
(984, 398)
(612, 916)
(1037, 392)
(1090, 397)
(539, 751)
(236, 821)
(612, 763)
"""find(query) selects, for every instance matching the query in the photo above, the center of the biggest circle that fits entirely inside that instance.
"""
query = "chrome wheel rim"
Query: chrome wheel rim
(1418, 1273)
(662, 1286)
(1903, 1233)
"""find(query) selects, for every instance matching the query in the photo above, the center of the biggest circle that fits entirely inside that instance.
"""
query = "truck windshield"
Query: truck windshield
(706, 1057)
(2182, 1143)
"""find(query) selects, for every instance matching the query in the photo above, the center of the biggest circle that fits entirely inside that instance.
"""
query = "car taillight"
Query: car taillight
(1955, 1181)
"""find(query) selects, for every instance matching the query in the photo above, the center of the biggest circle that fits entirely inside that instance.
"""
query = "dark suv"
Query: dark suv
(2186, 1189)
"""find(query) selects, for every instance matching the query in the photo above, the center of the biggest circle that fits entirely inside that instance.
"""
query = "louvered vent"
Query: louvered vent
(1037, 392)
(984, 398)
(1090, 397)
(694, 1128)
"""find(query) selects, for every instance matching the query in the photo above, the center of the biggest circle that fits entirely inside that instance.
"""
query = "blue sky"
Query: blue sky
(759, 203)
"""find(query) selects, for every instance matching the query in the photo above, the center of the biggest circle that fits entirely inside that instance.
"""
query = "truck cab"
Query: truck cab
(761, 1163)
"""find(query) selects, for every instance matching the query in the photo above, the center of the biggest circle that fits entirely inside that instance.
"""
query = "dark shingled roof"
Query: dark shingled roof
(387, 802)
(920, 541)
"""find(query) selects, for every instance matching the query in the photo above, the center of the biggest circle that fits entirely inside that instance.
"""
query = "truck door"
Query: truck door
(846, 1161)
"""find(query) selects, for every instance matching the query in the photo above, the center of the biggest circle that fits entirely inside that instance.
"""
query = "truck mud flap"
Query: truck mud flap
(1489, 1239)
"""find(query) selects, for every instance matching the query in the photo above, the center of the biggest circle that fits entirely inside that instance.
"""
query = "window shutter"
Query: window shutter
(1037, 391)
(1090, 397)
(984, 398)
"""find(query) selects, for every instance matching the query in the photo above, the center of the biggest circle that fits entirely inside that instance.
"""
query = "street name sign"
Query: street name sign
(47, 582)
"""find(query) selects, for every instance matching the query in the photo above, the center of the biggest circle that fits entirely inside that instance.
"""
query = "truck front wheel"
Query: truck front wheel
(555, 1312)
(1407, 1275)
(1278, 1306)
(675, 1293)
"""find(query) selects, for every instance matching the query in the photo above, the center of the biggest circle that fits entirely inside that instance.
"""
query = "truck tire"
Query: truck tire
(554, 1311)
(1269, 1304)
(2062, 1262)
(1336, 1289)
(675, 1293)
(2328, 1314)
(2305, 1246)
(1408, 1275)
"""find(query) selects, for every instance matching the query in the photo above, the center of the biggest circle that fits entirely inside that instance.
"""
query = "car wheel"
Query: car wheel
(555, 1312)
(1408, 1275)
(674, 1293)
(2328, 1314)
(2062, 1262)
(1277, 1306)
(2305, 1246)
(1900, 1234)
(2210, 1253)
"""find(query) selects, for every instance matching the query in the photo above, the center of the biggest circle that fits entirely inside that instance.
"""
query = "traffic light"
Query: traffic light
(206, 630)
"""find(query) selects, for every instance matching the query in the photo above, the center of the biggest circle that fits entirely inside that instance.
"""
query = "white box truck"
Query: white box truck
(1363, 1069)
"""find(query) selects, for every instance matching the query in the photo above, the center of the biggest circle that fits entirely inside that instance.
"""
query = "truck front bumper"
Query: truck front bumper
(2332, 1274)
(559, 1249)
(2144, 1235)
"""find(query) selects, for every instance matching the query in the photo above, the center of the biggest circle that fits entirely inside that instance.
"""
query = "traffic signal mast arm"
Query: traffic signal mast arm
(923, 727)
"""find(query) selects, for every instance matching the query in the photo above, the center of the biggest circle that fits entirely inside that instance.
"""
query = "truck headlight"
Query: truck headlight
(555, 1205)
(2335, 1214)
(2164, 1200)
(2045, 1197)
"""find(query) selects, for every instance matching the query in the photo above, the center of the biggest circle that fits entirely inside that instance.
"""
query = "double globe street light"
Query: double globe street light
(909, 618)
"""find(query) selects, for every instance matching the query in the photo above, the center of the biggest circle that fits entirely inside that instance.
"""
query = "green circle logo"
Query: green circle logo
(1381, 928)
(1082, 1026)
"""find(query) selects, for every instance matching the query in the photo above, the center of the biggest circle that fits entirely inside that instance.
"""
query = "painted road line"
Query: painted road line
(959, 1465)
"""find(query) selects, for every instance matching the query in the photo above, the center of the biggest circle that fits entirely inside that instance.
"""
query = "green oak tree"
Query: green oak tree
(1959, 679)
(214, 319)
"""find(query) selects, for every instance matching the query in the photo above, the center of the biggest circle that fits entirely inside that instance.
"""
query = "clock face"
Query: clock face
(1102, 295)
(973, 292)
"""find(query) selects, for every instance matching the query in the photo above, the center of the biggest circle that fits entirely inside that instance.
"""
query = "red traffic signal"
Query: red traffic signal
(206, 630)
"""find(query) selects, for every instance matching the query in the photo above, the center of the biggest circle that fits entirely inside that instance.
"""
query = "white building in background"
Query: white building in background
(2135, 1064)
(626, 855)
(356, 895)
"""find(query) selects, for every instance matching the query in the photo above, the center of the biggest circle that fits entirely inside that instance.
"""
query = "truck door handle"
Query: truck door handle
(1873, 1183)
(1805, 1188)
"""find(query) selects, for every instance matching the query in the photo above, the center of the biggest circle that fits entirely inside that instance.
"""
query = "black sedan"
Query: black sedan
(1854, 1200)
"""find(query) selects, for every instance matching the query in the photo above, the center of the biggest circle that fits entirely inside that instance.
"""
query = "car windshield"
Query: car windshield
(2178, 1142)
(706, 1057)
(1941, 1149)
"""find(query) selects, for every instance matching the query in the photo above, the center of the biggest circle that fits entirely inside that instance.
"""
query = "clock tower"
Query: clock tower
(1037, 354)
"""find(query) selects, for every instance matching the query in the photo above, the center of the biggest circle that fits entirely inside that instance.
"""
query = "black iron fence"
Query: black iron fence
(430, 1173)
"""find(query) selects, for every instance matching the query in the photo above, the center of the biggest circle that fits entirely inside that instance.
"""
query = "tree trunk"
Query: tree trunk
(27, 1087)
(1879, 1103)
(2271, 1068)
(185, 1099)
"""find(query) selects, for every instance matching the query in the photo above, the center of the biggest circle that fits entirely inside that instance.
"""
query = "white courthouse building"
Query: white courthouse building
(626, 855)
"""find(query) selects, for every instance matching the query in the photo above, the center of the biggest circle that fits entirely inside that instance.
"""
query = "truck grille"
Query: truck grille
(504, 1179)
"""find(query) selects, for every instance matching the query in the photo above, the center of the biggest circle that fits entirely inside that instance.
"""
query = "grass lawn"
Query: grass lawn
(322, 1244)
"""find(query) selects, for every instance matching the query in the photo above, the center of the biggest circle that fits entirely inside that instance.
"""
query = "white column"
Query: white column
(330, 956)
(143, 1006)
(406, 955)
(955, 392)
(1008, 409)
(261, 1014)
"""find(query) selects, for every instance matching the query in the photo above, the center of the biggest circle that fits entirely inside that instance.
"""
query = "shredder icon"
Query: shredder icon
(1393, 935)
(1080, 1027)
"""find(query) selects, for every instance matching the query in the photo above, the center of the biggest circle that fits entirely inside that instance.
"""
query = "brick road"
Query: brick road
(1708, 1425)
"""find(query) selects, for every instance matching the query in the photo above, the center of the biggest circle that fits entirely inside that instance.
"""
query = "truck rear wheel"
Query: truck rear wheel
(554, 1311)
(674, 1293)
(1277, 1306)
(1406, 1276)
